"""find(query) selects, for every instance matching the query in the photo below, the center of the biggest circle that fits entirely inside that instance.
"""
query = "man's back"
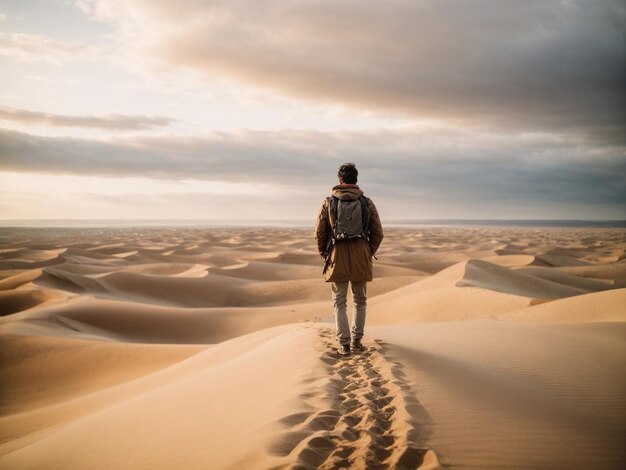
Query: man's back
(350, 260)
(348, 257)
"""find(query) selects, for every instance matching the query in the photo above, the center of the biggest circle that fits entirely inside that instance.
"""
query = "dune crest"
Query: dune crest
(480, 273)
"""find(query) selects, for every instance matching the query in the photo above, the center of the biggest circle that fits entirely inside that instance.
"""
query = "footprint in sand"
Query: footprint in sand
(362, 429)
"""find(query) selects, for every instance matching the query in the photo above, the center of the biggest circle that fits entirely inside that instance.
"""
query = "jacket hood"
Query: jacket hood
(347, 192)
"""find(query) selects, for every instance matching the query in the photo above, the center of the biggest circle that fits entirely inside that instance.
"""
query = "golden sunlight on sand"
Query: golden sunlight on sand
(213, 348)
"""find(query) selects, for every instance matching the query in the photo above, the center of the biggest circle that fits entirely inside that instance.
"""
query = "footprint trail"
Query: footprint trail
(368, 424)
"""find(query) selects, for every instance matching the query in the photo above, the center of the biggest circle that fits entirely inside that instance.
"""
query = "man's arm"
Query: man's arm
(321, 228)
(376, 228)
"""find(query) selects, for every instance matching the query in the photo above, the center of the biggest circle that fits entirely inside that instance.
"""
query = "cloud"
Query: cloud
(536, 64)
(449, 170)
(32, 47)
(110, 121)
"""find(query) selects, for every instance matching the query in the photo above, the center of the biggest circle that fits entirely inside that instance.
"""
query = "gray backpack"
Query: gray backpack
(349, 219)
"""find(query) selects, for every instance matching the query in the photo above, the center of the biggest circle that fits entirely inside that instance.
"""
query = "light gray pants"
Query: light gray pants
(340, 306)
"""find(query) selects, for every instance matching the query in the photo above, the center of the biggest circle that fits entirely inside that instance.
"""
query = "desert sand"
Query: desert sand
(191, 347)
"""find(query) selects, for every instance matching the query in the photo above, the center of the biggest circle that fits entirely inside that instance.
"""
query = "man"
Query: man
(348, 260)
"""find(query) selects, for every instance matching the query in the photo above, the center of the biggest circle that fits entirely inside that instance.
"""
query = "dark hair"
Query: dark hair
(348, 173)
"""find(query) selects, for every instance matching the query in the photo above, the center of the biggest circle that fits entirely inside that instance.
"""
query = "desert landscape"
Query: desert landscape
(195, 347)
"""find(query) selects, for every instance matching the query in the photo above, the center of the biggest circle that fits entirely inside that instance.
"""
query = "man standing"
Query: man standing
(348, 233)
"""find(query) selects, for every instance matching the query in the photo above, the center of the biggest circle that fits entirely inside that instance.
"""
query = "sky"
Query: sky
(244, 109)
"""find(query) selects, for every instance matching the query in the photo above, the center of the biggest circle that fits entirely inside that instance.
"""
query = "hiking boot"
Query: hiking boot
(344, 350)
(357, 345)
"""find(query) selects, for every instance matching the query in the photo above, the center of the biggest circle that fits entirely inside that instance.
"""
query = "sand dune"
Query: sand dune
(29, 254)
(614, 273)
(213, 348)
(426, 262)
(479, 273)
(19, 264)
(511, 260)
(145, 323)
(478, 289)
(264, 271)
(13, 281)
(18, 300)
(65, 368)
(438, 299)
(566, 279)
(169, 290)
(180, 421)
(605, 306)
(553, 388)
(256, 284)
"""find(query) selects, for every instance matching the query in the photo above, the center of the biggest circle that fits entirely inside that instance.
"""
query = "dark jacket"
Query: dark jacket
(350, 260)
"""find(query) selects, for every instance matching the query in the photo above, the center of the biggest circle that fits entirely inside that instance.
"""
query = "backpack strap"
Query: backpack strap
(365, 216)
(332, 214)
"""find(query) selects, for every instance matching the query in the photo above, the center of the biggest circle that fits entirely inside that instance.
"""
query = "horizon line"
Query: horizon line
(215, 223)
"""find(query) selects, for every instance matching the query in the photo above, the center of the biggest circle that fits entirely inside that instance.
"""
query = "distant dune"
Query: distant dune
(154, 347)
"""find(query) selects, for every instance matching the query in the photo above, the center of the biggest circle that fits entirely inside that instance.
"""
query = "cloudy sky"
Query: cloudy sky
(244, 109)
